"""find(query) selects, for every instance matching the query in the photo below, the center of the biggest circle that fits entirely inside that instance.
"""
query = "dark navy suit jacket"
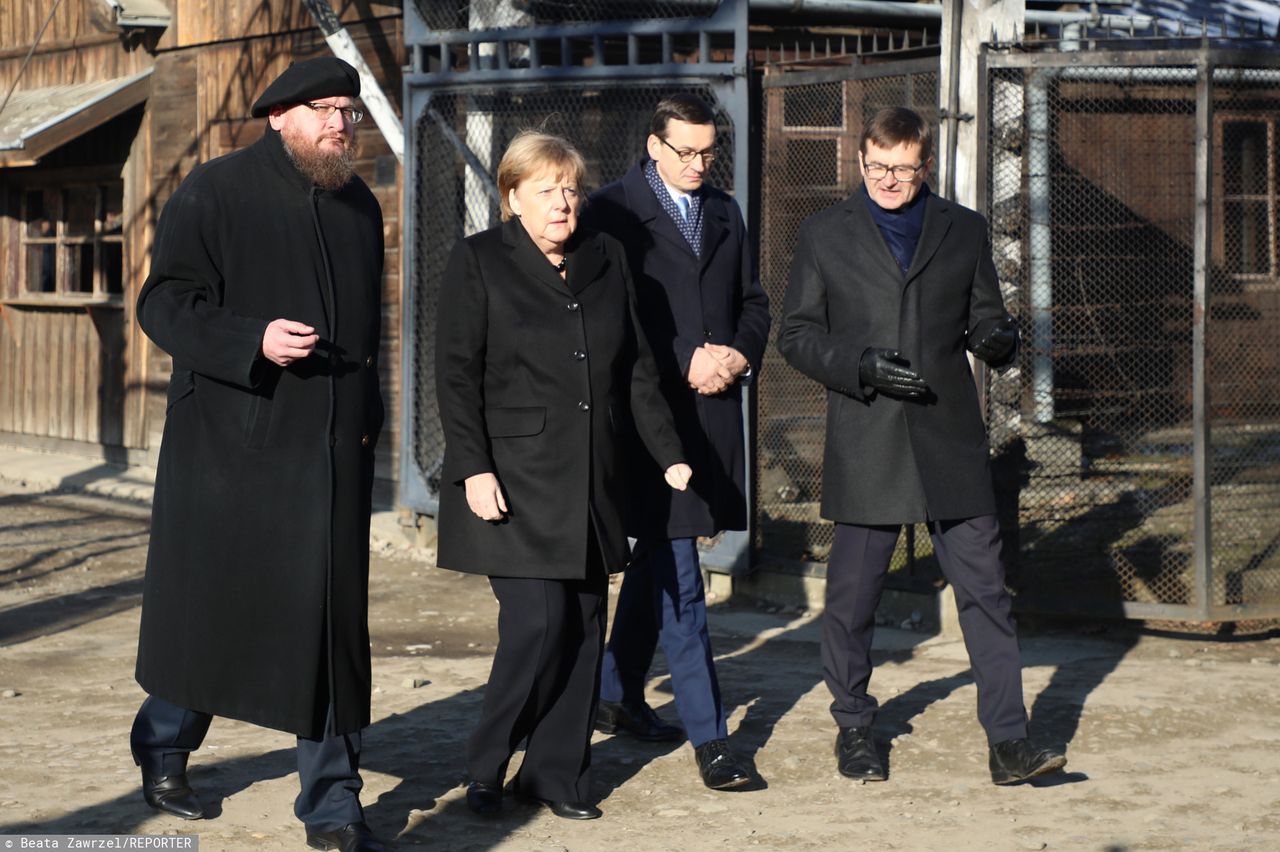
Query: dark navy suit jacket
(685, 301)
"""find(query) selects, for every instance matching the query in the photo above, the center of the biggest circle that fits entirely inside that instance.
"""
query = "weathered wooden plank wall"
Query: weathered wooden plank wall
(81, 45)
(60, 373)
(102, 380)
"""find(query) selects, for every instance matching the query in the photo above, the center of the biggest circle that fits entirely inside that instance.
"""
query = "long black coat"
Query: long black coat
(686, 301)
(889, 461)
(260, 527)
(540, 381)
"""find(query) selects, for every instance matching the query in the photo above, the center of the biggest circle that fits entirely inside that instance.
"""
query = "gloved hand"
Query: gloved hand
(888, 372)
(998, 343)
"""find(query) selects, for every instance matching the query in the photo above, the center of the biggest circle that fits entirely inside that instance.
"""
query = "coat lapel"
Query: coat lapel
(715, 227)
(587, 261)
(529, 260)
(937, 221)
(861, 222)
(641, 201)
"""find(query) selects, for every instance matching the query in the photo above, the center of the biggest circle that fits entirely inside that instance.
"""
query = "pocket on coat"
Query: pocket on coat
(619, 419)
(181, 385)
(515, 422)
(257, 422)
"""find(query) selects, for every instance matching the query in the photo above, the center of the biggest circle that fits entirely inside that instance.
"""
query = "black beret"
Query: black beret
(323, 77)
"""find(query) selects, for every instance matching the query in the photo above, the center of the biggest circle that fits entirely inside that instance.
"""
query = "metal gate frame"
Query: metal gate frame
(431, 72)
(1211, 61)
(921, 61)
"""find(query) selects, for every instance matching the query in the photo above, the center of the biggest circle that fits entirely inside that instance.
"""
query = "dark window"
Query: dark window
(73, 240)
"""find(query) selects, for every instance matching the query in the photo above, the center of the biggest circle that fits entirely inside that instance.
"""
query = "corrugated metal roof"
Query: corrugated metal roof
(1239, 16)
(36, 113)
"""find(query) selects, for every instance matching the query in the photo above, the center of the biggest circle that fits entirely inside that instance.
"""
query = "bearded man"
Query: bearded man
(264, 287)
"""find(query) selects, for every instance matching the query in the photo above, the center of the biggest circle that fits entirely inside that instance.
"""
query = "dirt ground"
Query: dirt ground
(1174, 742)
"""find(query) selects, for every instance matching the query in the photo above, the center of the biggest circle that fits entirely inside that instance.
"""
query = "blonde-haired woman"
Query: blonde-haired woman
(543, 379)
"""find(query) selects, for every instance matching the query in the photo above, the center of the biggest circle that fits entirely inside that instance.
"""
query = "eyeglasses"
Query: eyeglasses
(708, 156)
(904, 173)
(324, 111)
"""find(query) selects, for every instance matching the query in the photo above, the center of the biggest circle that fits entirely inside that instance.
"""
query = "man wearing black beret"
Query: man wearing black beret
(264, 287)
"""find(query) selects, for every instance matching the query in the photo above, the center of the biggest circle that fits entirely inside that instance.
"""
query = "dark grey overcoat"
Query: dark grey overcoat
(686, 301)
(255, 599)
(888, 461)
(539, 380)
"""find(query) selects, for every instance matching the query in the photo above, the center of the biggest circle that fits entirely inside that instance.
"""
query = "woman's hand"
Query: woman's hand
(678, 476)
(484, 496)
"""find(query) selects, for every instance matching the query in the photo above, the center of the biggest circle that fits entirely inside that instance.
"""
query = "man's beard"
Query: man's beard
(329, 170)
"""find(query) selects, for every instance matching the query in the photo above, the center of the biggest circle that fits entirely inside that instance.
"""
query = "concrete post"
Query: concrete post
(966, 25)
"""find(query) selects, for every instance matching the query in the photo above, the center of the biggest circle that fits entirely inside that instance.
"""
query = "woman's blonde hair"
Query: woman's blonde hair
(533, 152)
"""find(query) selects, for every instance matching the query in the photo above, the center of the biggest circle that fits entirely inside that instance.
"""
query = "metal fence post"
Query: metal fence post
(1202, 552)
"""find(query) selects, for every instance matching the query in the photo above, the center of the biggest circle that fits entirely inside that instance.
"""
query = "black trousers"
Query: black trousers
(544, 685)
(969, 551)
(164, 735)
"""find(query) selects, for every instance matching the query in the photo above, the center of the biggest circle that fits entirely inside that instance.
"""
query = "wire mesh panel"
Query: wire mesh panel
(1243, 342)
(812, 124)
(483, 14)
(1093, 214)
(460, 137)
(1098, 217)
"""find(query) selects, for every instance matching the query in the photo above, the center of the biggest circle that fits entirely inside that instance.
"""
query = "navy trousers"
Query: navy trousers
(663, 600)
(969, 552)
(164, 735)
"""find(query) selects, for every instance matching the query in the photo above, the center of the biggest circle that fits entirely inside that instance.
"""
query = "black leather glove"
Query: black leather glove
(888, 372)
(998, 343)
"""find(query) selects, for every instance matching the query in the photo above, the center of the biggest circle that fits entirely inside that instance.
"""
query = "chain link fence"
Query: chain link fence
(462, 134)
(1093, 203)
(1243, 345)
(812, 124)
(1092, 198)
(1093, 218)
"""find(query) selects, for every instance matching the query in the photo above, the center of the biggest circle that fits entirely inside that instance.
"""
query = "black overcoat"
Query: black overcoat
(255, 600)
(889, 461)
(540, 381)
(686, 301)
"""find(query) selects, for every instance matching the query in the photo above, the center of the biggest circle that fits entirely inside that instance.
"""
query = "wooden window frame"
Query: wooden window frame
(66, 244)
(1270, 279)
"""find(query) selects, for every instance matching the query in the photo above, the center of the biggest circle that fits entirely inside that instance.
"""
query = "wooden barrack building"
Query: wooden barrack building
(111, 108)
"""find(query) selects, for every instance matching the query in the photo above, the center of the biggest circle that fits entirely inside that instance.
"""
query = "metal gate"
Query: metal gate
(483, 71)
(813, 119)
(1132, 190)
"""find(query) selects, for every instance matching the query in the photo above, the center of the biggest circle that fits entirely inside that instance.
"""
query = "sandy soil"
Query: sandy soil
(1174, 743)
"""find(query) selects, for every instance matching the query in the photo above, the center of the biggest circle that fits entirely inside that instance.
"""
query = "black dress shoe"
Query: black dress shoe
(1017, 760)
(350, 838)
(573, 810)
(484, 799)
(171, 794)
(638, 720)
(719, 767)
(564, 810)
(856, 755)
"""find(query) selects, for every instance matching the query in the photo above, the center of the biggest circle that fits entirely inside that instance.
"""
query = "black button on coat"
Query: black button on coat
(686, 301)
(888, 461)
(255, 599)
(516, 401)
